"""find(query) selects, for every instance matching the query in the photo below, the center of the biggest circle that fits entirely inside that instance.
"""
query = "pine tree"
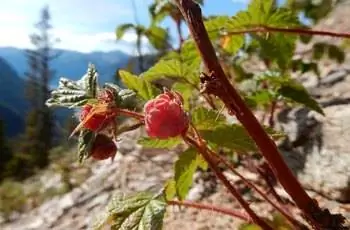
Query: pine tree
(5, 150)
(37, 139)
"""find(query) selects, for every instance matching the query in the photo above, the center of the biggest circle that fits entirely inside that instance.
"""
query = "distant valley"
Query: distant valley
(70, 64)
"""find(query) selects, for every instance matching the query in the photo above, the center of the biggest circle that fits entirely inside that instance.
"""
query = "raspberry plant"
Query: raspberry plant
(190, 110)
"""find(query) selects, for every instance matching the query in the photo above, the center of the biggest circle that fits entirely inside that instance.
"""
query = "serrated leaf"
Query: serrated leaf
(334, 52)
(296, 92)
(206, 119)
(73, 94)
(172, 69)
(170, 189)
(277, 47)
(85, 142)
(231, 44)
(202, 163)
(186, 92)
(142, 87)
(249, 227)
(121, 30)
(157, 143)
(185, 168)
(140, 211)
(215, 25)
(233, 137)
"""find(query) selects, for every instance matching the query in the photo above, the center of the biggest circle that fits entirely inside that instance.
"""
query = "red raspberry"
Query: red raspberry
(103, 148)
(95, 122)
(165, 117)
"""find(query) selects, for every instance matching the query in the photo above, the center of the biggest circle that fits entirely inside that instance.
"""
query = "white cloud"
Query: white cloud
(81, 25)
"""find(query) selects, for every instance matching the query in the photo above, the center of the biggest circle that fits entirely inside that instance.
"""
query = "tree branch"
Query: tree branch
(219, 85)
(225, 211)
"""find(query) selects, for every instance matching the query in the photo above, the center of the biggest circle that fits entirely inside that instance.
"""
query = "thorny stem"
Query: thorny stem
(221, 87)
(261, 193)
(225, 211)
(264, 28)
(213, 165)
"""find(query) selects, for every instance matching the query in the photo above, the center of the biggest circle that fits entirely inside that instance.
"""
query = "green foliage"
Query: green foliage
(85, 141)
(233, 137)
(205, 119)
(12, 197)
(142, 87)
(140, 211)
(172, 69)
(185, 167)
(157, 143)
(296, 92)
(75, 93)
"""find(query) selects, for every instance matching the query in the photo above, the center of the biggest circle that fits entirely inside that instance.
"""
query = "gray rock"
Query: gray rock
(317, 149)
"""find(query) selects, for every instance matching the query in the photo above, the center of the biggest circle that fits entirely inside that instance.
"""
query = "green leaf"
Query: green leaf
(186, 92)
(215, 25)
(85, 142)
(249, 227)
(157, 143)
(296, 92)
(206, 119)
(277, 47)
(233, 137)
(142, 87)
(231, 44)
(172, 69)
(125, 98)
(170, 189)
(334, 52)
(185, 167)
(140, 211)
(121, 30)
(75, 93)
(157, 36)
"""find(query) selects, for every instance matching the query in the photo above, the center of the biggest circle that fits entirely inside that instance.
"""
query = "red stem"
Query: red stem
(213, 165)
(225, 211)
(129, 113)
(221, 87)
(261, 193)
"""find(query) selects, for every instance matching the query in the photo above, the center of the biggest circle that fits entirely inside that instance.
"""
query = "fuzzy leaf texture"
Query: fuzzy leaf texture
(296, 92)
(142, 87)
(134, 212)
(85, 142)
(75, 93)
(172, 69)
(157, 143)
(233, 137)
(185, 168)
(206, 119)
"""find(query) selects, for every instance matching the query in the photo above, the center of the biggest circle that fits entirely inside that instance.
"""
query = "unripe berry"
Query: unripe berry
(165, 116)
(103, 148)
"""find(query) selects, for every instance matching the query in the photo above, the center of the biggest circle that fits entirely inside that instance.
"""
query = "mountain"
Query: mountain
(70, 64)
(13, 105)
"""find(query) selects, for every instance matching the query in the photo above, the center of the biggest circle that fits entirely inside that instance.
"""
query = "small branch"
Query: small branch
(208, 207)
(272, 114)
(263, 28)
(218, 84)
(129, 113)
(261, 193)
(213, 165)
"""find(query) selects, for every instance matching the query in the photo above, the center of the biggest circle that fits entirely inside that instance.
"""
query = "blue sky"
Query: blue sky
(87, 25)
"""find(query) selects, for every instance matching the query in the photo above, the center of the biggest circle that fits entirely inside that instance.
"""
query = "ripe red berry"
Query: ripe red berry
(103, 148)
(165, 116)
